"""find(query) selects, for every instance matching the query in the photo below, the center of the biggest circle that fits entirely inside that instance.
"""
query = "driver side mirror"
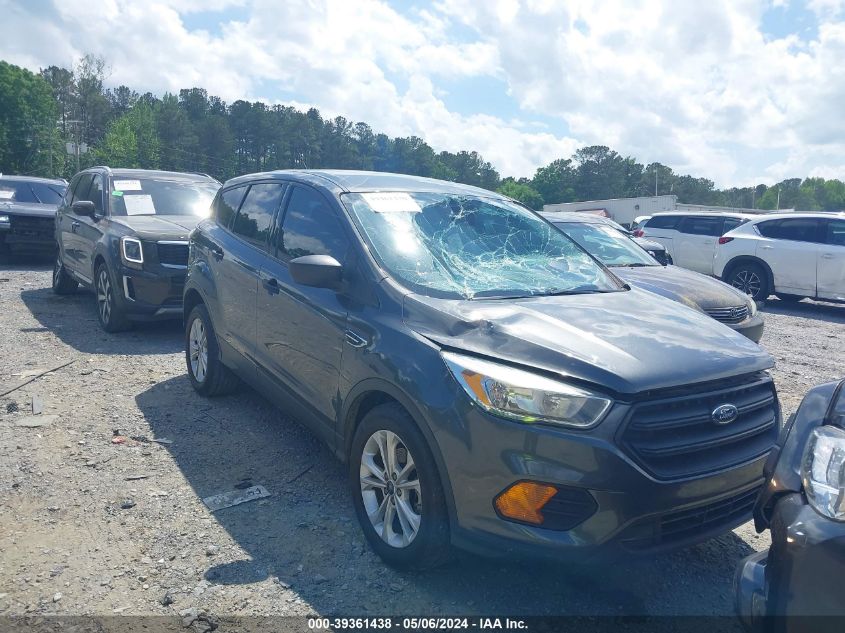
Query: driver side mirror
(84, 208)
(318, 271)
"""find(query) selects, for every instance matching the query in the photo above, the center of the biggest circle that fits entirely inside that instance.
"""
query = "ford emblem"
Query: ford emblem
(724, 414)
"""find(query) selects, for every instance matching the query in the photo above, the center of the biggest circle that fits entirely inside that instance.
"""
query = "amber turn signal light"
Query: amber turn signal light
(524, 500)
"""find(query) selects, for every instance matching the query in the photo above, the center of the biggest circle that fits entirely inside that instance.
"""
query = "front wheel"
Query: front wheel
(751, 279)
(63, 283)
(110, 312)
(396, 491)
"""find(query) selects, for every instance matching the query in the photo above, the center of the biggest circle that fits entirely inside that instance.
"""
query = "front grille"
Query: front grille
(30, 227)
(173, 254)
(736, 314)
(676, 437)
(686, 525)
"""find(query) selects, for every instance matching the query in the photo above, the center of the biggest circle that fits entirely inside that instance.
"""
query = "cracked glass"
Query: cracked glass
(472, 247)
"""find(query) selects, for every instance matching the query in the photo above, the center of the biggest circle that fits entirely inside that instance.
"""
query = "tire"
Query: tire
(414, 498)
(789, 298)
(208, 375)
(63, 284)
(110, 311)
(752, 279)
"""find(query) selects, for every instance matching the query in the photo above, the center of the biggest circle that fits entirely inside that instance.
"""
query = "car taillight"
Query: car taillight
(725, 240)
(639, 233)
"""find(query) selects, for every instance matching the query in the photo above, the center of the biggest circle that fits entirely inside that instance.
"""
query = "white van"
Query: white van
(690, 238)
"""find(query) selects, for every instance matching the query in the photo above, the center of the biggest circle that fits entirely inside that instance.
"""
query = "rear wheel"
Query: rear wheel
(751, 279)
(208, 375)
(396, 490)
(110, 312)
(63, 283)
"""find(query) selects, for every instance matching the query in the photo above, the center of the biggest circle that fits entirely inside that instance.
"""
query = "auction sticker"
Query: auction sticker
(391, 202)
(127, 185)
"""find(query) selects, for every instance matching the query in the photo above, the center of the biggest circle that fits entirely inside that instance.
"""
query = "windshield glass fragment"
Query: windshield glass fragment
(468, 247)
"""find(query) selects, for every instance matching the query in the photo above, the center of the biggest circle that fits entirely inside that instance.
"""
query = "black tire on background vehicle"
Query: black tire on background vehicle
(63, 284)
(789, 298)
(396, 490)
(110, 312)
(752, 279)
(208, 375)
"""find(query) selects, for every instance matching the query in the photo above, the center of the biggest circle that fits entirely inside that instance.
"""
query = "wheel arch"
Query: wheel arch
(192, 299)
(749, 259)
(370, 393)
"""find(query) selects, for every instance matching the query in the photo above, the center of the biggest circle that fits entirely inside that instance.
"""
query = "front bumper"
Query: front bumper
(751, 328)
(152, 295)
(634, 513)
(28, 233)
(801, 575)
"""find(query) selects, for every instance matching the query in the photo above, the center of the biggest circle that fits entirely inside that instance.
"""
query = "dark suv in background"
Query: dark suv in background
(488, 382)
(28, 213)
(124, 233)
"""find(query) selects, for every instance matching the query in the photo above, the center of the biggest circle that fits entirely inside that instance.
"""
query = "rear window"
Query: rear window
(32, 192)
(663, 222)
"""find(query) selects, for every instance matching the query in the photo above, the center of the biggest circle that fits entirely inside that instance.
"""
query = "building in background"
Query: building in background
(626, 210)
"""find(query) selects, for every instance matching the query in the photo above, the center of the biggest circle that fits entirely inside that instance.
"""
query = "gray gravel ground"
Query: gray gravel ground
(67, 546)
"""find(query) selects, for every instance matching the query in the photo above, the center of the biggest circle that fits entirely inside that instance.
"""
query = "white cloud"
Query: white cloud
(695, 85)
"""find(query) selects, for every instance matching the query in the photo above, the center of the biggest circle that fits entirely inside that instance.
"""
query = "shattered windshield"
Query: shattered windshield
(607, 244)
(469, 246)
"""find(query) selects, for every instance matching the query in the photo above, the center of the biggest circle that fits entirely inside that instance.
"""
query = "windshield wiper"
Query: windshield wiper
(633, 265)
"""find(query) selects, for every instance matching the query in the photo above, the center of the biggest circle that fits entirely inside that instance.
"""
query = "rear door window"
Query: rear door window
(701, 226)
(662, 222)
(794, 229)
(835, 233)
(255, 218)
(227, 204)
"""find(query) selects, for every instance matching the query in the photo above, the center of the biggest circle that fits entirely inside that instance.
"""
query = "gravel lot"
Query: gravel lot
(67, 546)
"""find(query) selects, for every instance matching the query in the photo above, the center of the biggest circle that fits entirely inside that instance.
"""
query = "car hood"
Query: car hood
(628, 342)
(679, 284)
(29, 209)
(160, 227)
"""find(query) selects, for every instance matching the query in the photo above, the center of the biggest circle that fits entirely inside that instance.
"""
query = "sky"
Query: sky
(738, 91)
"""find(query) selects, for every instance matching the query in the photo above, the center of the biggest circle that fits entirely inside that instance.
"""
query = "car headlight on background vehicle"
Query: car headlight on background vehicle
(525, 396)
(823, 471)
(131, 250)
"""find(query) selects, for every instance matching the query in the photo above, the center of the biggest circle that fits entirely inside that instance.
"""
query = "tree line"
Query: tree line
(46, 117)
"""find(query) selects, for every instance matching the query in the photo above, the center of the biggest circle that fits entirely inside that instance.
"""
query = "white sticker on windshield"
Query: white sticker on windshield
(7, 194)
(391, 202)
(127, 185)
(139, 205)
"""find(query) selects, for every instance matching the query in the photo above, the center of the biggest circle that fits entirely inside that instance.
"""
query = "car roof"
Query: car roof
(350, 181)
(704, 214)
(50, 181)
(125, 172)
(574, 216)
(819, 215)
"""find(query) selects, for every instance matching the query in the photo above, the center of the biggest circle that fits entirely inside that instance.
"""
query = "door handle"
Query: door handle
(827, 256)
(271, 285)
(73, 226)
(765, 247)
(217, 252)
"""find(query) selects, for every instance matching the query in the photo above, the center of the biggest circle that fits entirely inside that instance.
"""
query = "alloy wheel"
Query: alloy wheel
(104, 295)
(390, 488)
(198, 348)
(748, 281)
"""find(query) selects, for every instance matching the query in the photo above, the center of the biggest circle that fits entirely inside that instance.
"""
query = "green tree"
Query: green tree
(120, 145)
(555, 182)
(28, 140)
(523, 192)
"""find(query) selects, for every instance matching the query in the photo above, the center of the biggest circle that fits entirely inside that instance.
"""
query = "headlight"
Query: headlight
(132, 250)
(4, 219)
(823, 471)
(524, 396)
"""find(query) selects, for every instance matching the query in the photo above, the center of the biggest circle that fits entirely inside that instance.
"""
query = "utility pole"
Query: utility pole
(655, 182)
(777, 205)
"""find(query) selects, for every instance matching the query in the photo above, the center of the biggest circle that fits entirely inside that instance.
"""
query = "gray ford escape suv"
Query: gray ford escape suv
(489, 383)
